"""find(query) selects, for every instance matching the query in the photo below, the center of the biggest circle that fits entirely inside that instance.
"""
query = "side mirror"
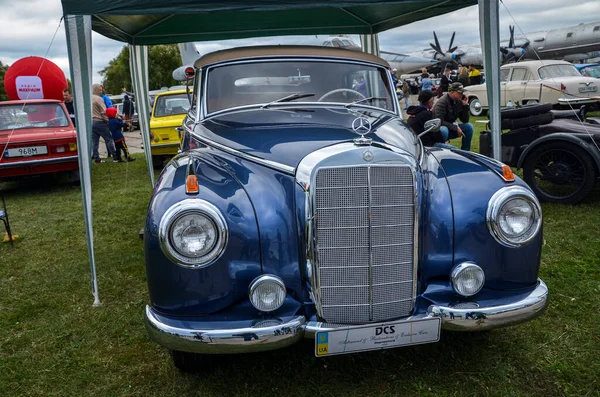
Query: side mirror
(431, 125)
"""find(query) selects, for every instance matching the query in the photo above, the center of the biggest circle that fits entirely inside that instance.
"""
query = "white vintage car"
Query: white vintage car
(555, 82)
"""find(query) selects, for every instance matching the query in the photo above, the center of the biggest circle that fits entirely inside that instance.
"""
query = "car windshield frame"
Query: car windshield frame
(23, 116)
(382, 70)
(157, 111)
(557, 70)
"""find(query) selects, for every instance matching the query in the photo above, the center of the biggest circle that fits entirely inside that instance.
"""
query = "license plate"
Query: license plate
(592, 88)
(27, 151)
(354, 339)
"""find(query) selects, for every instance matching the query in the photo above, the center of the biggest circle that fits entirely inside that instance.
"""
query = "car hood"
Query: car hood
(36, 134)
(167, 121)
(287, 135)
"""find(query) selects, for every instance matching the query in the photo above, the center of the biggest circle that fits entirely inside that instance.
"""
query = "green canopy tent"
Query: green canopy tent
(147, 22)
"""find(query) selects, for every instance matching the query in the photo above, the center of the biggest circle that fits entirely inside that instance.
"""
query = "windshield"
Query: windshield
(591, 71)
(34, 115)
(550, 71)
(266, 82)
(169, 105)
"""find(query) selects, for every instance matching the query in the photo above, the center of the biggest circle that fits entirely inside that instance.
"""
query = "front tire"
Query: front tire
(559, 172)
(475, 107)
(190, 362)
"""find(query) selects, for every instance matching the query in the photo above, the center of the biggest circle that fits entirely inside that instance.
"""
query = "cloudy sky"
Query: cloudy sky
(27, 28)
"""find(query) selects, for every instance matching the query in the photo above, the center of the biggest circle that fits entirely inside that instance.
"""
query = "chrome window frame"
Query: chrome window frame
(205, 115)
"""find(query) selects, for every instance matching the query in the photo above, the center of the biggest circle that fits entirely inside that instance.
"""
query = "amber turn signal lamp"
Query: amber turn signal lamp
(191, 184)
(507, 173)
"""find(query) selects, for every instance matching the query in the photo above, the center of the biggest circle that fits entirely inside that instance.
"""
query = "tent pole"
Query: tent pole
(489, 28)
(138, 65)
(79, 45)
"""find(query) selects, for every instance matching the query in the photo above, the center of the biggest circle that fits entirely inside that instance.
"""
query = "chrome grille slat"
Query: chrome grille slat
(364, 235)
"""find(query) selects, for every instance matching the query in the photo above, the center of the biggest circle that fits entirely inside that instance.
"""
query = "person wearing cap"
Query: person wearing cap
(418, 115)
(451, 106)
(395, 78)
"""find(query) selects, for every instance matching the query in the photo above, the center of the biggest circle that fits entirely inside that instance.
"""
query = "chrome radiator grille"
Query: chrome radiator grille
(364, 234)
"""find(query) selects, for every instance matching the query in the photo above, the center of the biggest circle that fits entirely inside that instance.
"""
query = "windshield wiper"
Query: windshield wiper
(371, 98)
(288, 98)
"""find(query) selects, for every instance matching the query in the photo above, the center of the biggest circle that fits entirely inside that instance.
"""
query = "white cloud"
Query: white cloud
(27, 29)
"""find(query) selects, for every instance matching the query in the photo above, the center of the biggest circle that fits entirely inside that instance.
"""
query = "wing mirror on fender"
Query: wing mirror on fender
(431, 125)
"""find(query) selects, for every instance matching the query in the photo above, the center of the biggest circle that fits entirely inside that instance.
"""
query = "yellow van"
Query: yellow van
(168, 112)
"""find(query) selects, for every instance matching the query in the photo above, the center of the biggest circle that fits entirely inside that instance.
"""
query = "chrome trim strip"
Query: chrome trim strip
(192, 205)
(370, 245)
(37, 162)
(497, 200)
(267, 163)
(484, 318)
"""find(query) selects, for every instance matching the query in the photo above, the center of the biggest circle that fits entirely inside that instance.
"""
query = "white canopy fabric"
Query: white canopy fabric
(78, 30)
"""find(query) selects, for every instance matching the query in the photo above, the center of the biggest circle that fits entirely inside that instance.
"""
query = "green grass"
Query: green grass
(53, 342)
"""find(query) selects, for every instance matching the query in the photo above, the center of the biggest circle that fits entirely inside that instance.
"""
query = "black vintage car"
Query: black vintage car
(559, 154)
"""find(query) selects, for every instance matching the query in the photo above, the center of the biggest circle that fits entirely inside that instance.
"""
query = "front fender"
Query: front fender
(471, 186)
(176, 289)
(561, 136)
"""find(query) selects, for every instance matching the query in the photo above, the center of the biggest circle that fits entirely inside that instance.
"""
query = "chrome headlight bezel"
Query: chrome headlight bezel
(186, 207)
(260, 280)
(460, 269)
(495, 205)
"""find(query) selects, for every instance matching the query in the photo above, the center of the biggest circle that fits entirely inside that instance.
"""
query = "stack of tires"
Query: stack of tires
(514, 119)
(526, 116)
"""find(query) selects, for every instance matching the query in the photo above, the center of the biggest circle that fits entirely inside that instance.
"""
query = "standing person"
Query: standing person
(426, 83)
(395, 78)
(463, 76)
(100, 125)
(406, 92)
(445, 80)
(115, 125)
(128, 111)
(68, 99)
(454, 104)
(418, 115)
(474, 75)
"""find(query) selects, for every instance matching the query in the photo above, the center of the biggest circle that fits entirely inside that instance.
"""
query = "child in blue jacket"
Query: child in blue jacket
(115, 125)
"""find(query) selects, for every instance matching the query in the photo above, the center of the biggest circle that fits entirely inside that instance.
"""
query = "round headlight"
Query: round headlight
(467, 279)
(514, 216)
(193, 233)
(267, 293)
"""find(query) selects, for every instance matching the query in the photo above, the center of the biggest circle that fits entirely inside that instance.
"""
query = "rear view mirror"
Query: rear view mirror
(431, 125)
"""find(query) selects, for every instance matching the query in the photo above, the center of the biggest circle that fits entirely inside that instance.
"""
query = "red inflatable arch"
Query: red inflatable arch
(34, 78)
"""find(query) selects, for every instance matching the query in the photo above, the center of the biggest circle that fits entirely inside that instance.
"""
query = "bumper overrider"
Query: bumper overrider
(271, 337)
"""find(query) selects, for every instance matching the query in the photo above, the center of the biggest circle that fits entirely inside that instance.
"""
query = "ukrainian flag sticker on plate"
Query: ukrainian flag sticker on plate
(322, 343)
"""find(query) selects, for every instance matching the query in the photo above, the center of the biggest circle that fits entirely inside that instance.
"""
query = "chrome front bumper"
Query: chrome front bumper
(250, 340)
(55, 160)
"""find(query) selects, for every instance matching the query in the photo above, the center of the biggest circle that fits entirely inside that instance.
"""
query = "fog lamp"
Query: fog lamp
(267, 293)
(467, 279)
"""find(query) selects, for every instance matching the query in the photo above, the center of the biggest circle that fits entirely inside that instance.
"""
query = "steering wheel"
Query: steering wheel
(55, 122)
(341, 90)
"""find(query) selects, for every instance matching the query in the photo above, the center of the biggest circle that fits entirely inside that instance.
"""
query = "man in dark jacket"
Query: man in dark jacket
(454, 104)
(418, 115)
(445, 80)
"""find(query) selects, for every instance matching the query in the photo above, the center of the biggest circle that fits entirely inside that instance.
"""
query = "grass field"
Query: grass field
(53, 342)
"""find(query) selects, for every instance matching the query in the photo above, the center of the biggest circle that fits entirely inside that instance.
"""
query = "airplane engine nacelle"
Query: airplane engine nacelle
(184, 73)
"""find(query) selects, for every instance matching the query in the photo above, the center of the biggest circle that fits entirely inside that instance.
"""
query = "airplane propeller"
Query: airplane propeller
(449, 55)
(513, 53)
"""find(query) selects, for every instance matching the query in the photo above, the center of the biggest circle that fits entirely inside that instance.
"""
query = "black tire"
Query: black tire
(524, 111)
(529, 121)
(559, 172)
(190, 362)
(158, 162)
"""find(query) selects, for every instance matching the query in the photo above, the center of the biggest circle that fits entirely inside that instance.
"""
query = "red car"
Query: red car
(36, 137)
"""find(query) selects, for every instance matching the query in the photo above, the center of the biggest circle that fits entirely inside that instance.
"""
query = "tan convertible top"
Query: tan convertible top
(285, 51)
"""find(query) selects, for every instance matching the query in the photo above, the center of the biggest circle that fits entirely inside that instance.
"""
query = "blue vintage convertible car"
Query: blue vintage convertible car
(303, 207)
